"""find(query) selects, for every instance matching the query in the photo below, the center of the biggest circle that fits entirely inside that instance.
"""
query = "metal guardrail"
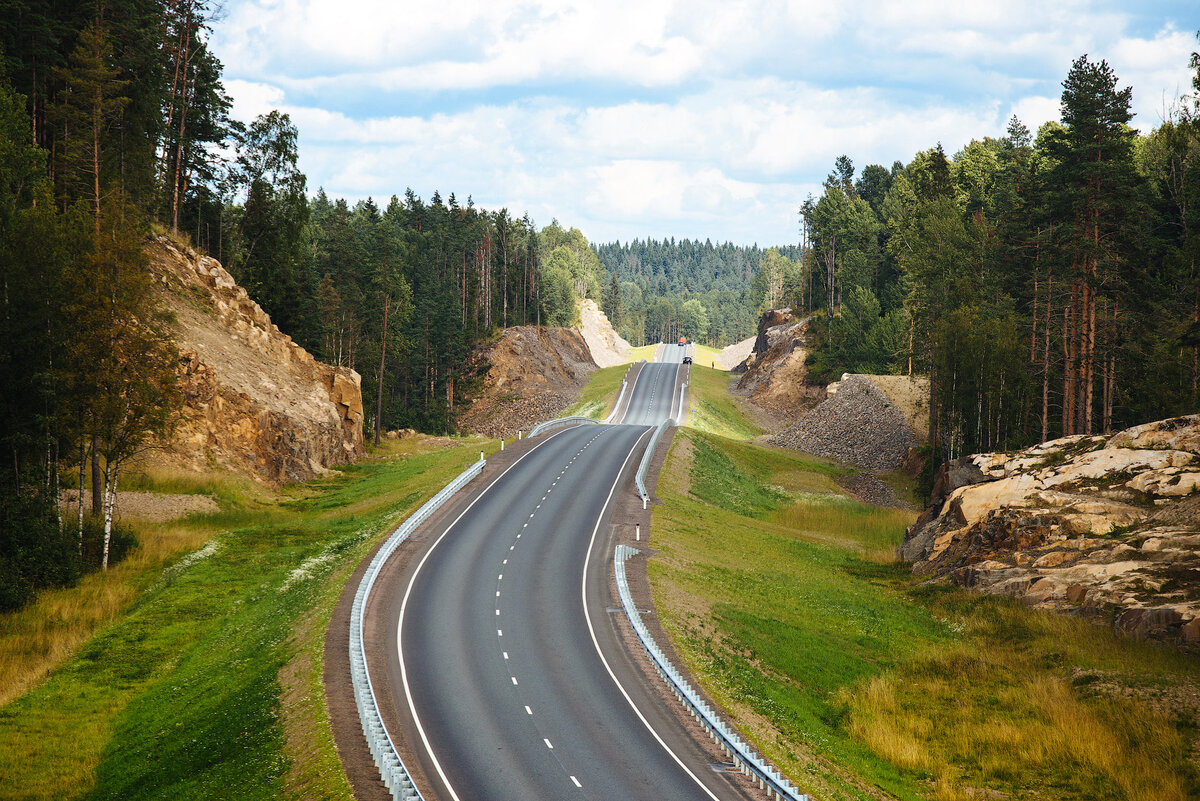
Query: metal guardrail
(640, 478)
(767, 777)
(391, 769)
(558, 422)
(617, 405)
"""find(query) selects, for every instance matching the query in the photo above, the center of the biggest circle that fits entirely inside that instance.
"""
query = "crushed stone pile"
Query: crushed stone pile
(858, 425)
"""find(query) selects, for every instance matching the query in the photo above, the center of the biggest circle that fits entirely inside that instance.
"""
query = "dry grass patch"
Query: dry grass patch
(40, 637)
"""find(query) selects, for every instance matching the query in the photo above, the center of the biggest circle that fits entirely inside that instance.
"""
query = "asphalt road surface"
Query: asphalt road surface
(515, 678)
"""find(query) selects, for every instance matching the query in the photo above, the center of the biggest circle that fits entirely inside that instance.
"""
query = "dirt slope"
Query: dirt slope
(606, 345)
(254, 401)
(532, 374)
(776, 377)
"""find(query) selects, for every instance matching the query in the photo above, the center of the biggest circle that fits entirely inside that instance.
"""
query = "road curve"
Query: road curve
(515, 678)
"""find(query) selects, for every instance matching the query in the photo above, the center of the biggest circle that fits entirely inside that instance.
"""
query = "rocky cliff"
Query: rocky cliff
(1107, 527)
(532, 374)
(775, 375)
(254, 401)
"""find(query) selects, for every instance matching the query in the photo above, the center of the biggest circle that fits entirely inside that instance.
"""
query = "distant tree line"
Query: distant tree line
(660, 290)
(1047, 284)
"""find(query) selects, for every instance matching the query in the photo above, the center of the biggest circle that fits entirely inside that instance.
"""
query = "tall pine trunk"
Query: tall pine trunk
(382, 357)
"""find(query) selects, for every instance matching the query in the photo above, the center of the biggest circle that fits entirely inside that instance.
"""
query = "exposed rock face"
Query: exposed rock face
(254, 401)
(776, 377)
(532, 374)
(1105, 526)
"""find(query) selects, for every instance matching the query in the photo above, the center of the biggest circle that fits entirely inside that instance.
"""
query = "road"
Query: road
(517, 682)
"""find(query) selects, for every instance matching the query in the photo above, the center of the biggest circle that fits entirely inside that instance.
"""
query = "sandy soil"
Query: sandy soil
(607, 347)
(735, 354)
(156, 507)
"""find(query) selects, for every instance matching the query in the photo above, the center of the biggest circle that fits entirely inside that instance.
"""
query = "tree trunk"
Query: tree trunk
(1046, 360)
(183, 105)
(97, 490)
(933, 439)
(1089, 356)
(382, 357)
(82, 469)
(111, 470)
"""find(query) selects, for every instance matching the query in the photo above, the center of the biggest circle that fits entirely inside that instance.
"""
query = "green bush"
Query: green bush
(34, 553)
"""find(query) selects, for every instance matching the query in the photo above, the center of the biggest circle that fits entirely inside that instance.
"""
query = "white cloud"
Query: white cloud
(635, 117)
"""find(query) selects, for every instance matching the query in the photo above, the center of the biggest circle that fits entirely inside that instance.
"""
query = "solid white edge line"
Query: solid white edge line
(412, 709)
(596, 643)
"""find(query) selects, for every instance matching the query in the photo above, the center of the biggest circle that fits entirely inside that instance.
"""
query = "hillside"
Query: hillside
(532, 374)
(255, 402)
(607, 347)
(775, 378)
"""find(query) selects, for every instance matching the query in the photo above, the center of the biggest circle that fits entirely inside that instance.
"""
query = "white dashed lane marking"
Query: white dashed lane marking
(500, 577)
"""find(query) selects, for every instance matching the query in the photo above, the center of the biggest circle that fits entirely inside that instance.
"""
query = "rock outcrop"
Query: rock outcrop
(775, 374)
(254, 401)
(1103, 526)
(532, 374)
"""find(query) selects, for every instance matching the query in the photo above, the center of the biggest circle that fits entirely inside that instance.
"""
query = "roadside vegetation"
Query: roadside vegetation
(204, 675)
(643, 353)
(782, 597)
(706, 356)
(599, 393)
(713, 409)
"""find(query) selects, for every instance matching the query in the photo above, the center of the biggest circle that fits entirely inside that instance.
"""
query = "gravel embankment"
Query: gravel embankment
(858, 425)
(507, 417)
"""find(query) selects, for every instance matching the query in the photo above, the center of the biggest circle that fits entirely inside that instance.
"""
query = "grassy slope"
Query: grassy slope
(599, 393)
(705, 355)
(861, 683)
(644, 353)
(713, 408)
(181, 696)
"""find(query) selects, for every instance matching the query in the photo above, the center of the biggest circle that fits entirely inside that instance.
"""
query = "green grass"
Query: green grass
(644, 353)
(783, 598)
(599, 393)
(713, 409)
(705, 355)
(182, 695)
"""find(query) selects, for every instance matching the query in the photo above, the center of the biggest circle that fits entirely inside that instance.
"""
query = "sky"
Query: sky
(653, 118)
